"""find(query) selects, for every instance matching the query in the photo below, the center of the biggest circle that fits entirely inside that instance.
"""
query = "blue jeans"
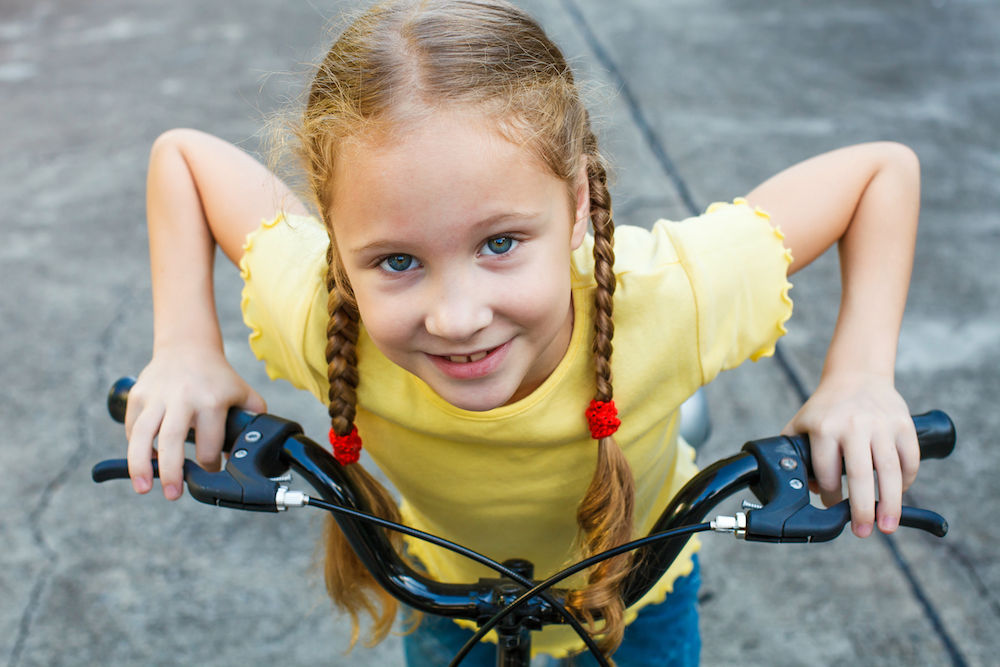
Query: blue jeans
(664, 635)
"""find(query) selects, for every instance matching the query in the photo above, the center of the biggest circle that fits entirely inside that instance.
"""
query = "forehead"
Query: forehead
(445, 170)
(428, 136)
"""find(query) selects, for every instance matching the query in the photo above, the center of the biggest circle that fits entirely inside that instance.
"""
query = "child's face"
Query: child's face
(457, 244)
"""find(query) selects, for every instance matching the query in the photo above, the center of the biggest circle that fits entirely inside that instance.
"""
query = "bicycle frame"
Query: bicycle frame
(775, 469)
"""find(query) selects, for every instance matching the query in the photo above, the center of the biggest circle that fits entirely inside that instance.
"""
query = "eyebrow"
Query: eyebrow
(480, 226)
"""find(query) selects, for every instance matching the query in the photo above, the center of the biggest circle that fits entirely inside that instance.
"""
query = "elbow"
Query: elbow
(897, 171)
(175, 140)
(901, 160)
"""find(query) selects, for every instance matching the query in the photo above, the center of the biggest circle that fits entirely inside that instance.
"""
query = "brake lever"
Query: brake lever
(787, 516)
(822, 525)
(246, 482)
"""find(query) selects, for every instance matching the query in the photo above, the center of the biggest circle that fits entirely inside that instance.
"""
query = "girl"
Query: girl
(446, 298)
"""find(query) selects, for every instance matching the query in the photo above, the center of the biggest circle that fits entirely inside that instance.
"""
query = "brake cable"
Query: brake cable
(472, 555)
(568, 572)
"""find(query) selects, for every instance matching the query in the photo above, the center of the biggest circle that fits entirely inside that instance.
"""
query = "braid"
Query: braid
(341, 353)
(605, 514)
(393, 64)
(604, 260)
(348, 582)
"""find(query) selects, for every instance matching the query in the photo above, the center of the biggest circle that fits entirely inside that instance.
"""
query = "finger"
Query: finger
(133, 408)
(170, 446)
(254, 402)
(826, 457)
(860, 483)
(908, 449)
(890, 488)
(209, 436)
(140, 448)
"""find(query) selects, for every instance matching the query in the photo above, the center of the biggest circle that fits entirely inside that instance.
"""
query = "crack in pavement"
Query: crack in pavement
(791, 374)
(649, 135)
(957, 552)
(963, 559)
(56, 483)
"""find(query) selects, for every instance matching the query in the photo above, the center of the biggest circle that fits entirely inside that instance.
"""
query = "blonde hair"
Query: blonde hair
(402, 60)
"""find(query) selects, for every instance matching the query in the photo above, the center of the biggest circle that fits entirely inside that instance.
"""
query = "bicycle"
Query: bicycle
(263, 448)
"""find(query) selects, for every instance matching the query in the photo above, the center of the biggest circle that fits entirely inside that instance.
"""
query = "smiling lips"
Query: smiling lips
(475, 357)
(472, 366)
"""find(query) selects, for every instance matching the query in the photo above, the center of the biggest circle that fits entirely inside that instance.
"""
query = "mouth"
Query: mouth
(462, 359)
(471, 366)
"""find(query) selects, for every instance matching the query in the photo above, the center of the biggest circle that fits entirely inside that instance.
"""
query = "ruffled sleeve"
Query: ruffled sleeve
(738, 268)
(284, 298)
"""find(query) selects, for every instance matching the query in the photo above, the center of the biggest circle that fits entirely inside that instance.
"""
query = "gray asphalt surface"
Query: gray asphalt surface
(712, 97)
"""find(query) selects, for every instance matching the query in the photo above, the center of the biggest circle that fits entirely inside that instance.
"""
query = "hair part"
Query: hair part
(395, 64)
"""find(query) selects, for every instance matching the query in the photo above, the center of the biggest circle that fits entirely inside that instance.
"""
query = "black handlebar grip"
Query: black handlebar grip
(936, 434)
(118, 398)
(236, 421)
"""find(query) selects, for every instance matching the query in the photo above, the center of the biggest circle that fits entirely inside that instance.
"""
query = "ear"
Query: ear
(582, 207)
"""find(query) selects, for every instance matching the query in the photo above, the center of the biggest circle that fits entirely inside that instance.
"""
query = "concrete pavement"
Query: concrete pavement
(715, 97)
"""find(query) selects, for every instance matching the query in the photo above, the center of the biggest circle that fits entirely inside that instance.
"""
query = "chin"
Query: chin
(472, 400)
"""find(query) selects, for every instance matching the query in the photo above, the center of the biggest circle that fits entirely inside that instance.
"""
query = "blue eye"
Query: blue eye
(498, 245)
(397, 263)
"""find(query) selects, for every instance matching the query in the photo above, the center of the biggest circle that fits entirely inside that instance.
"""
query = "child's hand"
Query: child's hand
(181, 388)
(860, 417)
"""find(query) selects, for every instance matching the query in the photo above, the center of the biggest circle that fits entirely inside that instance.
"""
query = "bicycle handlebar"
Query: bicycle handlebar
(236, 421)
(776, 470)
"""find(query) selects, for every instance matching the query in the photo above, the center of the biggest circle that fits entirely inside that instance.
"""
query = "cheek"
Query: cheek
(388, 322)
(539, 299)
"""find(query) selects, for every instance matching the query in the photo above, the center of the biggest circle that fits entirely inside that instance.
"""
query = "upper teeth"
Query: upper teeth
(464, 360)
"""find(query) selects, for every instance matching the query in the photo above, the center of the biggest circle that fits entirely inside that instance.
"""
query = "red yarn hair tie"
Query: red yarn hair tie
(602, 418)
(346, 448)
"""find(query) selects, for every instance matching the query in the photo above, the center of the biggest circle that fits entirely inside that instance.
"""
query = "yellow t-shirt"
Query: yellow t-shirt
(692, 299)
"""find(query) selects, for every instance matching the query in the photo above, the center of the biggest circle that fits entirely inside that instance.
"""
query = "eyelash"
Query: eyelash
(506, 237)
(382, 261)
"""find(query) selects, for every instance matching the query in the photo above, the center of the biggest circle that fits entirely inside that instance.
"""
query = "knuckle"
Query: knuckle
(211, 401)
(885, 455)
(903, 423)
(861, 424)
(909, 474)
(137, 450)
(206, 458)
(858, 467)
(825, 429)
(206, 399)
(137, 395)
(172, 433)
(828, 482)
(890, 465)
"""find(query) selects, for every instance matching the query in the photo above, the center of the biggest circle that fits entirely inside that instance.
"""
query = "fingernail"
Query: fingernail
(141, 485)
(172, 492)
(863, 530)
(889, 524)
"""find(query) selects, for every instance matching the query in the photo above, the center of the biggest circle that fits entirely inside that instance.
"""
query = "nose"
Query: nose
(458, 309)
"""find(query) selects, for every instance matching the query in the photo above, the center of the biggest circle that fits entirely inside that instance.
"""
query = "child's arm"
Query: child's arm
(200, 191)
(866, 198)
